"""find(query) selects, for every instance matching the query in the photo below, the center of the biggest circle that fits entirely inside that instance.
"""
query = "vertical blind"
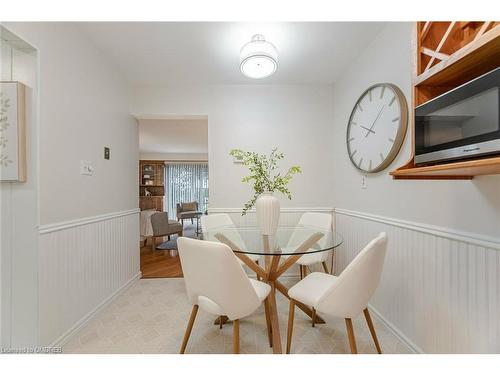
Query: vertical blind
(186, 182)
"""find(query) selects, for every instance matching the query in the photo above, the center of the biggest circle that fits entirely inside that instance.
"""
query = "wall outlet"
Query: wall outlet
(86, 168)
(363, 181)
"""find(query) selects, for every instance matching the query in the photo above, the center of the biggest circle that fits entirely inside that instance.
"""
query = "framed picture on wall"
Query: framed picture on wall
(12, 132)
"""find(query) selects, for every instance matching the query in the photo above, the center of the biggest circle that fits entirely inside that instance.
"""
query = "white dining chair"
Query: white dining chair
(314, 220)
(216, 283)
(345, 296)
(210, 222)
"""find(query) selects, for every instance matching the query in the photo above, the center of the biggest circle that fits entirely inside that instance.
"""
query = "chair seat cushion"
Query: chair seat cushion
(188, 214)
(262, 289)
(174, 223)
(310, 289)
(307, 259)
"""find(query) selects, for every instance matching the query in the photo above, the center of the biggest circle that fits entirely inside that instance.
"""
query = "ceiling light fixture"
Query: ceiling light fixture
(258, 58)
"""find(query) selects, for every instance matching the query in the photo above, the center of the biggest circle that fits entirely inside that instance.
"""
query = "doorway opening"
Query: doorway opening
(173, 188)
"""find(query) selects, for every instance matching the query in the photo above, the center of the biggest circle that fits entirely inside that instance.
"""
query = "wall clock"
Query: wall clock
(377, 127)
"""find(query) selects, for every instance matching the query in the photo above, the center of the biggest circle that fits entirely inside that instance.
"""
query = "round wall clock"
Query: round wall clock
(377, 127)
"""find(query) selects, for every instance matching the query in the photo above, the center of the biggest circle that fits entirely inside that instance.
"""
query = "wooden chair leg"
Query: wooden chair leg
(221, 321)
(236, 336)
(258, 277)
(325, 268)
(189, 328)
(153, 244)
(372, 330)
(291, 315)
(313, 317)
(350, 333)
(268, 323)
(300, 269)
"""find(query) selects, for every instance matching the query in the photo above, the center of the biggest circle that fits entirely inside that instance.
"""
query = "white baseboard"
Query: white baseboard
(65, 337)
(396, 332)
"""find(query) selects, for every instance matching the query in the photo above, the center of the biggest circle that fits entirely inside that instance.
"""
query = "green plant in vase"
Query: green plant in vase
(264, 175)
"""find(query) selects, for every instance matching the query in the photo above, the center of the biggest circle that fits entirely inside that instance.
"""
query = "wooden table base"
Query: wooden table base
(270, 274)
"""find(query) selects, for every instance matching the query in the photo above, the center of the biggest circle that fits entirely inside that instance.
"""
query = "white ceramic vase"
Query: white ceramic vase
(268, 213)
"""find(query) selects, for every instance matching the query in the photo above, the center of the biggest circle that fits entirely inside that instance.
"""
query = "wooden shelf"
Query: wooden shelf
(447, 55)
(155, 170)
(463, 170)
(473, 60)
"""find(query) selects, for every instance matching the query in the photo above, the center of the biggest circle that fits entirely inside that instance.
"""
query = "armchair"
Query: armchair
(187, 210)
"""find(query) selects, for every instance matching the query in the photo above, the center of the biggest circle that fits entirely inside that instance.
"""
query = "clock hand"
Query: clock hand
(371, 131)
(379, 113)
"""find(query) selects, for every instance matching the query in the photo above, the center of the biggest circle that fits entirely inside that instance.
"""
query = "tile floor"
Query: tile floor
(151, 316)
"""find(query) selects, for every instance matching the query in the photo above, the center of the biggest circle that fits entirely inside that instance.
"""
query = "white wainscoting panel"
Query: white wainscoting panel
(82, 265)
(440, 289)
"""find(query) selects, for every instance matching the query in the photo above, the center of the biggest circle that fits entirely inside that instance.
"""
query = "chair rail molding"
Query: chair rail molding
(48, 228)
(452, 234)
(440, 289)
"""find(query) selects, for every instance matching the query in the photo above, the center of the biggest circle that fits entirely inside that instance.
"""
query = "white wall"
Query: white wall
(471, 206)
(295, 118)
(84, 106)
(19, 218)
(440, 284)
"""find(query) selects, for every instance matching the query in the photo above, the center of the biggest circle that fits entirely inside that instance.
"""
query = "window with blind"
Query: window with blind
(186, 182)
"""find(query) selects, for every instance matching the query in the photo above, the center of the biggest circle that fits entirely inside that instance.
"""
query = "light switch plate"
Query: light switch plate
(86, 168)
(363, 181)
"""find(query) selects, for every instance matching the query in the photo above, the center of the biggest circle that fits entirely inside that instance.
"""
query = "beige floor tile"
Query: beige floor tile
(151, 316)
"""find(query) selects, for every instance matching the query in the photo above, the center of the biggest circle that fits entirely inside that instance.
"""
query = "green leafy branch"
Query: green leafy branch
(262, 173)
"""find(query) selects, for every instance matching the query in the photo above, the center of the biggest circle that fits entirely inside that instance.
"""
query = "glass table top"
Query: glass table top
(291, 240)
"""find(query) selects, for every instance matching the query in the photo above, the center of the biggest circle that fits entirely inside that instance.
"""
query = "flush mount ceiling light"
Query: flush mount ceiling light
(258, 58)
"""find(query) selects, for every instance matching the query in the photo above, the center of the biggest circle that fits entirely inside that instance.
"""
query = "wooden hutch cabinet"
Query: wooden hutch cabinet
(151, 184)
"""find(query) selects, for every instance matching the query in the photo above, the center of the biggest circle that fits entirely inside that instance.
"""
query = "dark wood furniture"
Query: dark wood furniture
(151, 179)
(447, 55)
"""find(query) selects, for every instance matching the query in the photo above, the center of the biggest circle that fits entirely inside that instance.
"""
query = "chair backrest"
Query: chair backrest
(357, 283)
(189, 206)
(211, 222)
(159, 223)
(212, 271)
(317, 220)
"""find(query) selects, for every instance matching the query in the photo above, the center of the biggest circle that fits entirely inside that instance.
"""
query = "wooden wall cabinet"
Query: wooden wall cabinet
(447, 55)
(151, 178)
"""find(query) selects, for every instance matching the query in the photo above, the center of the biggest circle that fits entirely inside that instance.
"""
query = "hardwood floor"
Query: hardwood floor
(159, 264)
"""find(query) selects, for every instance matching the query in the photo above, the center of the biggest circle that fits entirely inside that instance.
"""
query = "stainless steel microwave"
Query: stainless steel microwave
(460, 124)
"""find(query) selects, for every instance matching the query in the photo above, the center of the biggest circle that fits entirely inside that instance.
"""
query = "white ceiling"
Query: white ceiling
(208, 52)
(173, 136)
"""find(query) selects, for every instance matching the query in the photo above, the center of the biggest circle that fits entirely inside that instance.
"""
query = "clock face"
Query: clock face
(377, 127)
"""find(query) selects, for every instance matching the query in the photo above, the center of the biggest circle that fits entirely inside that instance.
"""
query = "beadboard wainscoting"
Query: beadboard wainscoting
(440, 289)
(83, 264)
